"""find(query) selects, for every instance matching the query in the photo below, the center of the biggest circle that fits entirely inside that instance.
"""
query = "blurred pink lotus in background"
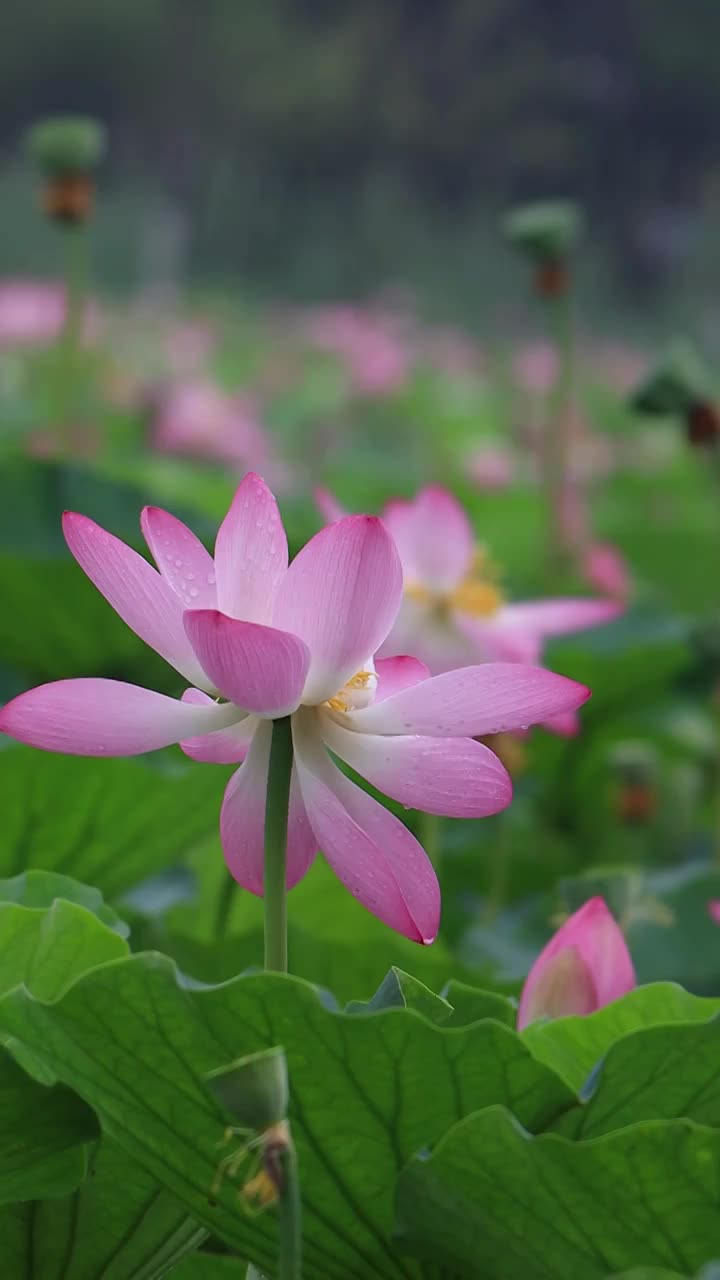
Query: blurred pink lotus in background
(535, 367)
(32, 312)
(372, 345)
(713, 908)
(201, 420)
(492, 467)
(605, 568)
(585, 966)
(453, 612)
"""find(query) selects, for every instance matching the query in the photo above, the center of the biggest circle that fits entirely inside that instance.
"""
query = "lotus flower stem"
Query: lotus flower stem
(69, 342)
(290, 1219)
(276, 825)
(557, 432)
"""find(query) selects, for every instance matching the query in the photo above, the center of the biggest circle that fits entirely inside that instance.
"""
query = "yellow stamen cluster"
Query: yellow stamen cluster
(343, 700)
(478, 594)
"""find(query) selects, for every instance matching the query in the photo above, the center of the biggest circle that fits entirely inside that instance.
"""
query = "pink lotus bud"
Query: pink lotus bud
(584, 966)
(713, 908)
(605, 568)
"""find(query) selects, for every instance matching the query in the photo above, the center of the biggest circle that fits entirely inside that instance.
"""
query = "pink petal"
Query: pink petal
(598, 960)
(258, 668)
(435, 639)
(341, 595)
(251, 553)
(143, 599)
(443, 540)
(495, 640)
(106, 718)
(224, 746)
(181, 558)
(328, 506)
(558, 617)
(242, 820)
(493, 698)
(395, 674)
(399, 520)
(373, 854)
(454, 776)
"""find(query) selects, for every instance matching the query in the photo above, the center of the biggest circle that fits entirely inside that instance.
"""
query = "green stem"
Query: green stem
(69, 342)
(290, 1220)
(431, 838)
(558, 428)
(499, 878)
(276, 823)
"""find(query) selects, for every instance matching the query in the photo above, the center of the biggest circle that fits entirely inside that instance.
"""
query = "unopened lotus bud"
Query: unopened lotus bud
(253, 1090)
(584, 966)
(636, 795)
(547, 233)
(67, 150)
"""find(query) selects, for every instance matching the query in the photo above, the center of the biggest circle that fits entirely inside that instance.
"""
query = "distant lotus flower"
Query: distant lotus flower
(713, 907)
(33, 313)
(585, 966)
(200, 420)
(491, 467)
(535, 367)
(259, 640)
(605, 567)
(375, 353)
(453, 611)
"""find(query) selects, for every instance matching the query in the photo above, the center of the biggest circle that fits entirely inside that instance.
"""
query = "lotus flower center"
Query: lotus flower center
(357, 692)
(478, 594)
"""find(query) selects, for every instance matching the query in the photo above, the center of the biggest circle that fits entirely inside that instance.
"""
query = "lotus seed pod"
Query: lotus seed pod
(253, 1090)
(66, 145)
(547, 232)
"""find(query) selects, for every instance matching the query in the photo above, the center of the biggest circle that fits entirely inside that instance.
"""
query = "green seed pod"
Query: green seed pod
(253, 1090)
(64, 145)
(546, 232)
(674, 386)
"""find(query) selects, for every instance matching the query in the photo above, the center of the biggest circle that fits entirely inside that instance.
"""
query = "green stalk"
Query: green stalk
(430, 835)
(558, 429)
(290, 1219)
(69, 342)
(276, 823)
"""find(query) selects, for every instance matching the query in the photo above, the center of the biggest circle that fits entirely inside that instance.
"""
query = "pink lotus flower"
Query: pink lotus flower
(713, 908)
(199, 418)
(491, 467)
(453, 611)
(585, 966)
(33, 312)
(370, 342)
(272, 641)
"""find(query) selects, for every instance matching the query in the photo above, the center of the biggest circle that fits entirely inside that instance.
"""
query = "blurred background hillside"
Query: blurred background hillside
(323, 148)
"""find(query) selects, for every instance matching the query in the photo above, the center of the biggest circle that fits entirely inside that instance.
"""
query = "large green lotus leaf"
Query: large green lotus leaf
(119, 1225)
(664, 1072)
(110, 823)
(366, 1093)
(572, 1046)
(47, 950)
(43, 888)
(492, 1201)
(209, 1266)
(44, 1130)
